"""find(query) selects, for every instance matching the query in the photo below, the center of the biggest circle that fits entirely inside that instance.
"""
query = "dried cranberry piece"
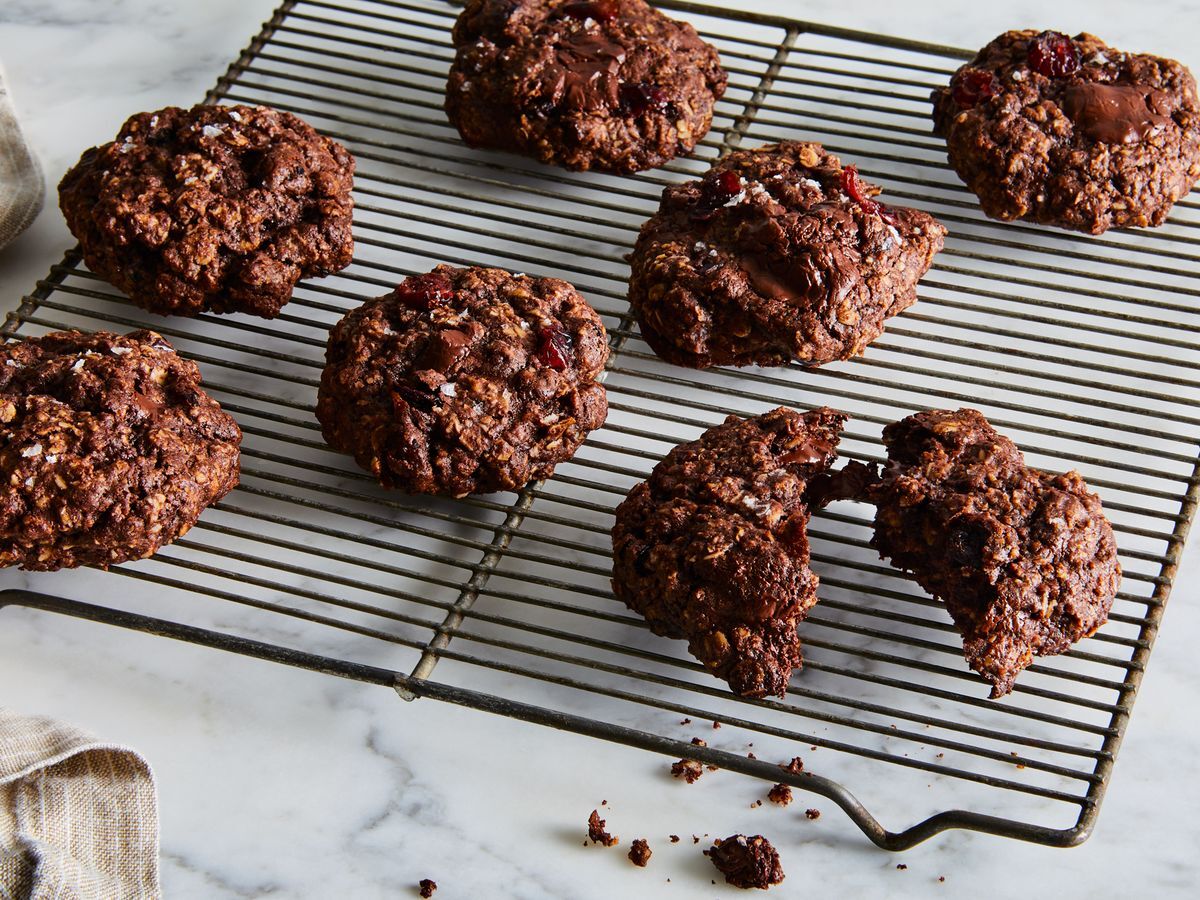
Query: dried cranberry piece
(424, 291)
(854, 190)
(1053, 54)
(643, 97)
(972, 86)
(554, 347)
(716, 189)
(600, 10)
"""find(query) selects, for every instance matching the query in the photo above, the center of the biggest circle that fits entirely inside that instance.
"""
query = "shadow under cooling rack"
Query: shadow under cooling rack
(1082, 349)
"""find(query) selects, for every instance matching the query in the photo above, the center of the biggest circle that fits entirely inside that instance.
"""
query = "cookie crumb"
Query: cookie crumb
(751, 755)
(428, 887)
(747, 862)
(596, 832)
(781, 794)
(796, 766)
(901, 866)
(941, 878)
(699, 742)
(812, 813)
(640, 852)
(716, 724)
(756, 804)
(686, 722)
(687, 769)
(674, 838)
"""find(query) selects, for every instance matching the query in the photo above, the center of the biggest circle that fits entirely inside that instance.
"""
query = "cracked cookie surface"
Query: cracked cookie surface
(109, 449)
(464, 381)
(611, 85)
(1024, 560)
(776, 254)
(1071, 132)
(713, 546)
(214, 208)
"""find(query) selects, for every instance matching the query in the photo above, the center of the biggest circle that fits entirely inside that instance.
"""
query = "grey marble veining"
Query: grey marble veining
(282, 783)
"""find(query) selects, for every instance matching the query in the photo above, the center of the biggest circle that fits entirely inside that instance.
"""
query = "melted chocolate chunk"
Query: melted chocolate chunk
(1113, 113)
(584, 72)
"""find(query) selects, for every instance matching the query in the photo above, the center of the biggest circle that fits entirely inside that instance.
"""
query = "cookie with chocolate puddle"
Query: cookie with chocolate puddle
(610, 85)
(776, 255)
(1071, 132)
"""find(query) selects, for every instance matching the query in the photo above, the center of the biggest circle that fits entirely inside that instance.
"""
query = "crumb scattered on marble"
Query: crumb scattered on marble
(640, 852)
(813, 813)
(781, 794)
(428, 887)
(687, 769)
(596, 832)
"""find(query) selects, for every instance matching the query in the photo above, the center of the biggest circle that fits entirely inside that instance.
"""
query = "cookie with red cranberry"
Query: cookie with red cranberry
(1071, 132)
(776, 254)
(464, 381)
(713, 546)
(612, 85)
(109, 449)
(213, 208)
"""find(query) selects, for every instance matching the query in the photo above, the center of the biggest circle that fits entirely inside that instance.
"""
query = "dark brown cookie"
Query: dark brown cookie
(109, 449)
(1071, 132)
(612, 85)
(1024, 560)
(776, 254)
(747, 862)
(218, 208)
(713, 546)
(464, 381)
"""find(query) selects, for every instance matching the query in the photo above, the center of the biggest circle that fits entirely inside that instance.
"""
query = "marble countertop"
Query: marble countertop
(282, 783)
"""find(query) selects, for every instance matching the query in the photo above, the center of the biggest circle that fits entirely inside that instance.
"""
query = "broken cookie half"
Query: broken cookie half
(1024, 560)
(713, 546)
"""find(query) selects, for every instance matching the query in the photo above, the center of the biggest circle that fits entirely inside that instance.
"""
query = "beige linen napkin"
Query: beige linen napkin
(22, 190)
(78, 817)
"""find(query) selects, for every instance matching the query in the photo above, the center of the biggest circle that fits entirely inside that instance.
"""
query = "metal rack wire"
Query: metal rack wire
(1082, 349)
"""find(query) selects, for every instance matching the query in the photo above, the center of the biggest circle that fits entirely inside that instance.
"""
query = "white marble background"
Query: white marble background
(280, 783)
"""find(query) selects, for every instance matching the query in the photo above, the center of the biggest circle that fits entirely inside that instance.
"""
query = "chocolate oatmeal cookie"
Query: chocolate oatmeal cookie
(1071, 132)
(747, 862)
(612, 85)
(1024, 560)
(109, 449)
(218, 208)
(464, 381)
(776, 254)
(713, 546)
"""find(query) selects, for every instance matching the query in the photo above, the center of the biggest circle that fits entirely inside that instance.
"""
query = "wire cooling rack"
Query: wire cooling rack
(1082, 349)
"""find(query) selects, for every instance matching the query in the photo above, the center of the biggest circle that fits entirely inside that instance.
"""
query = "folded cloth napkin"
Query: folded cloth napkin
(22, 190)
(78, 817)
